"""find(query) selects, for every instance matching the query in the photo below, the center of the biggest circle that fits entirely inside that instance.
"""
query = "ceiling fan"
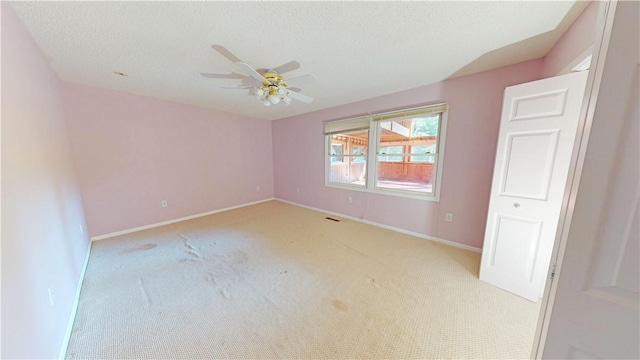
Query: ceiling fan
(267, 85)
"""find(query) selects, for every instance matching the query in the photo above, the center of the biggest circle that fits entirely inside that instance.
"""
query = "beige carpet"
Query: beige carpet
(275, 280)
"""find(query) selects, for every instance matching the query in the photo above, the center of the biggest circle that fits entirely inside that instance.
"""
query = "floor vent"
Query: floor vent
(332, 219)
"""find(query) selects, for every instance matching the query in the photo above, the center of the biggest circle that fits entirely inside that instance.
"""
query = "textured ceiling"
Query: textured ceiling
(356, 50)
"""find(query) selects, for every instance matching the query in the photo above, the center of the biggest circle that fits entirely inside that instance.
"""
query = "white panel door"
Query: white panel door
(596, 295)
(537, 132)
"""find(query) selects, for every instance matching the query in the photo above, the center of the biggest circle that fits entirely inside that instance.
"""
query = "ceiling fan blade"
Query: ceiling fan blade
(227, 85)
(251, 72)
(302, 80)
(251, 82)
(300, 97)
(290, 66)
(237, 87)
(224, 76)
(226, 53)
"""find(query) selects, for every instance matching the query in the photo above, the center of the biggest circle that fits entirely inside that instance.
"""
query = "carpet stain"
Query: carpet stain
(191, 250)
(210, 279)
(372, 281)
(144, 292)
(141, 248)
(339, 305)
(224, 293)
(240, 257)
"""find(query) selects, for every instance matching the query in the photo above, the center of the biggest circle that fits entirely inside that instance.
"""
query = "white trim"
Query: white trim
(382, 191)
(442, 138)
(393, 228)
(145, 227)
(587, 53)
(74, 308)
(583, 65)
(604, 27)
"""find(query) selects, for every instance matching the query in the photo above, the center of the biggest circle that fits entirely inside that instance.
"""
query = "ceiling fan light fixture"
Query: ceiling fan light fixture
(274, 99)
(272, 94)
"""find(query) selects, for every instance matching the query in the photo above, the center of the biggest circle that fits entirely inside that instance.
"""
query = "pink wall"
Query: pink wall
(42, 243)
(132, 152)
(574, 42)
(599, 246)
(474, 116)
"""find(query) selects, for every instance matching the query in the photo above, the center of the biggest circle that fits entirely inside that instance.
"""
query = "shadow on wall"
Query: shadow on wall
(518, 52)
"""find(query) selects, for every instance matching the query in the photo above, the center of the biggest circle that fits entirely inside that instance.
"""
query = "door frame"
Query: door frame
(604, 24)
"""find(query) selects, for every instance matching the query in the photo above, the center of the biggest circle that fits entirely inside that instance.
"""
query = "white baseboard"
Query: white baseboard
(74, 308)
(145, 227)
(419, 235)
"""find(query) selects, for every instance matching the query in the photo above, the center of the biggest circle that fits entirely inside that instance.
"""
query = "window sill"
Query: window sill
(396, 193)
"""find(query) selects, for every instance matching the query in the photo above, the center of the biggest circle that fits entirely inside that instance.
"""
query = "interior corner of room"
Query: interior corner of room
(140, 192)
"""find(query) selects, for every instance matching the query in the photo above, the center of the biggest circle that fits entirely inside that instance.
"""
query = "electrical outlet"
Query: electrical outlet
(258, 188)
(52, 297)
(448, 217)
(163, 203)
(349, 199)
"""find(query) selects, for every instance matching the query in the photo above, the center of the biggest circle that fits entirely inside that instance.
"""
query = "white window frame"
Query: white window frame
(372, 157)
(344, 125)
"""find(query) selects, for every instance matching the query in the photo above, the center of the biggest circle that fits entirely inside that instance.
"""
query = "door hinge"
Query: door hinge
(553, 272)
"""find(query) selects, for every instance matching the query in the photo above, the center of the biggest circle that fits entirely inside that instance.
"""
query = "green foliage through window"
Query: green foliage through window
(424, 126)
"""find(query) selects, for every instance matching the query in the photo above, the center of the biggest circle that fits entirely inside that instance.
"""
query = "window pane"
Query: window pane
(414, 177)
(427, 125)
(348, 157)
(390, 150)
(336, 149)
(422, 149)
(407, 151)
(361, 151)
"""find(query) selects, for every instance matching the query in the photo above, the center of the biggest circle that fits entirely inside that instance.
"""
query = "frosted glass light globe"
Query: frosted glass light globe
(274, 99)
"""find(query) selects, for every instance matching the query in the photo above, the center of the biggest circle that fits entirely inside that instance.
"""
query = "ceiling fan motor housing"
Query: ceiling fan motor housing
(273, 89)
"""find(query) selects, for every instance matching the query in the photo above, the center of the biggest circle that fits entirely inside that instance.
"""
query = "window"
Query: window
(405, 156)
(347, 142)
